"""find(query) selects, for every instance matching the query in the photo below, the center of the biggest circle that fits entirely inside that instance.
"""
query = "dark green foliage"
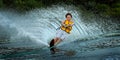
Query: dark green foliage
(22, 5)
(27, 4)
(106, 7)
(1, 3)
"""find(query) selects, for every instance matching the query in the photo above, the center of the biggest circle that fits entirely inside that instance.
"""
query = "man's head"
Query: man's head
(68, 16)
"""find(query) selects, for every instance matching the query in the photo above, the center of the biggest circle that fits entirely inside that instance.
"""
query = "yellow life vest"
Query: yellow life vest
(69, 28)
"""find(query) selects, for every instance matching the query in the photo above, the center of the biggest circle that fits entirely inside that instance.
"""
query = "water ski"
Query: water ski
(61, 52)
(52, 48)
(57, 51)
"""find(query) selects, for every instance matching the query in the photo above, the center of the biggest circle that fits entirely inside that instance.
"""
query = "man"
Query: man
(62, 33)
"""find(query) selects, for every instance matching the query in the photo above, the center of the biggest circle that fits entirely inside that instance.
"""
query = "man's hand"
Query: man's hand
(67, 25)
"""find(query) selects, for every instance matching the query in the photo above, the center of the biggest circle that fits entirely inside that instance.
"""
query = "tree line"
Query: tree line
(107, 7)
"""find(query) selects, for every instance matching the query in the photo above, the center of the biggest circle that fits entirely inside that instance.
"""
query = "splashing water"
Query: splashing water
(38, 27)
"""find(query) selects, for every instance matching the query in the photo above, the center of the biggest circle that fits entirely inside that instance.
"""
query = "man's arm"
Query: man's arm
(63, 23)
(71, 24)
(67, 25)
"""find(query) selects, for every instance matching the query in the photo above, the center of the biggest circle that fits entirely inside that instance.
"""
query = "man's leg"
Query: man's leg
(63, 36)
(53, 41)
(57, 41)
